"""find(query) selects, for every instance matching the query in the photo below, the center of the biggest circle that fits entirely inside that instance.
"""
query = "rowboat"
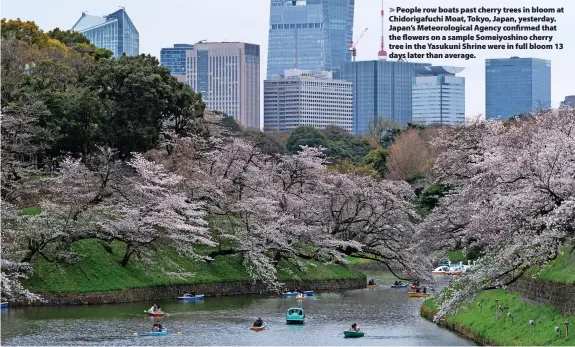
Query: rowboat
(295, 315)
(152, 314)
(291, 294)
(399, 286)
(164, 332)
(417, 295)
(350, 333)
(372, 286)
(442, 270)
(258, 328)
(190, 297)
(287, 294)
(4, 305)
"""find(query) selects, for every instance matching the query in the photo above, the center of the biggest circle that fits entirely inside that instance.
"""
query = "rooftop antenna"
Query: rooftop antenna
(382, 54)
(122, 7)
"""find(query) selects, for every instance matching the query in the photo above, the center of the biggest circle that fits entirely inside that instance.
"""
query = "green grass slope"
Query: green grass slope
(483, 324)
(562, 269)
(101, 271)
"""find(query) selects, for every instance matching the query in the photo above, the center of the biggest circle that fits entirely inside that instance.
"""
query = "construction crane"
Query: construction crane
(353, 43)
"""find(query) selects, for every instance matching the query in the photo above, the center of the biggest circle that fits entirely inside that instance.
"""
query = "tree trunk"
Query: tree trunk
(28, 257)
(127, 255)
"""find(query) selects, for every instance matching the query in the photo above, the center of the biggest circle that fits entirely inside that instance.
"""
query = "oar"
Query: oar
(337, 334)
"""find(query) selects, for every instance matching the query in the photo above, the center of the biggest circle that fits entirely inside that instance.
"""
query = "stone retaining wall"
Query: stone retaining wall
(170, 292)
(560, 295)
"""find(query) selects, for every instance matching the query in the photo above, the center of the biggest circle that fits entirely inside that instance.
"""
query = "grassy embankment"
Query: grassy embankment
(482, 324)
(101, 271)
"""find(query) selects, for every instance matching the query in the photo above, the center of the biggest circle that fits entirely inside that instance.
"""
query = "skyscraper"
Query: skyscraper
(174, 58)
(115, 32)
(307, 98)
(381, 88)
(516, 85)
(228, 76)
(309, 35)
(438, 96)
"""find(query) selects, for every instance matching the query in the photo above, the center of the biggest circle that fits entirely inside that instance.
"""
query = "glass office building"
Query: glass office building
(438, 96)
(516, 85)
(381, 88)
(228, 76)
(174, 58)
(115, 32)
(307, 98)
(569, 101)
(309, 35)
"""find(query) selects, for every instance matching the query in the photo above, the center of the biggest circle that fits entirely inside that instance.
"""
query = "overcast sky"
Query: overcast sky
(163, 23)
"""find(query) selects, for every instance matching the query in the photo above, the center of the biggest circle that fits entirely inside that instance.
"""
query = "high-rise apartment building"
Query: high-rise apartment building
(438, 96)
(309, 35)
(307, 98)
(115, 32)
(174, 58)
(228, 76)
(516, 85)
(381, 88)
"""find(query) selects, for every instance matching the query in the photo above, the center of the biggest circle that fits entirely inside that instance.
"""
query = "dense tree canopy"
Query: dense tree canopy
(130, 103)
(339, 144)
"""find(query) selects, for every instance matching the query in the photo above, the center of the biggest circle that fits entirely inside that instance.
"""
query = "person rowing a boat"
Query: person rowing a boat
(259, 322)
(153, 309)
(355, 327)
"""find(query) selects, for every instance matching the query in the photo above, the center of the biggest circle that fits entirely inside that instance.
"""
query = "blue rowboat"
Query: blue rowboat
(190, 297)
(399, 286)
(164, 332)
(290, 294)
(295, 315)
(4, 305)
(308, 292)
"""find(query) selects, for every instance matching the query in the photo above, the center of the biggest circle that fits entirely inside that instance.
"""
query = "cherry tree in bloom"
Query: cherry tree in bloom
(513, 197)
(274, 207)
(13, 270)
(152, 210)
(68, 211)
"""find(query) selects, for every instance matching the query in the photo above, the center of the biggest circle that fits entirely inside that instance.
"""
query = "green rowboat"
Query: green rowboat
(349, 333)
(295, 315)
